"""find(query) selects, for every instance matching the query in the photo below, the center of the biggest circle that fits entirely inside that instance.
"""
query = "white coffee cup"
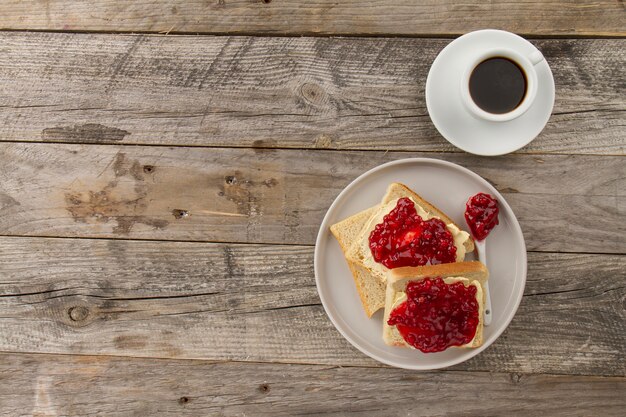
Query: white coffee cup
(526, 63)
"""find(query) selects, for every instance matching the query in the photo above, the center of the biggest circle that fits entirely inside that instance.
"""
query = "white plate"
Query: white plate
(452, 118)
(448, 186)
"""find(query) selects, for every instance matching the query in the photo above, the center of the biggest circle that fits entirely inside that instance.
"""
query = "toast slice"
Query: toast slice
(360, 253)
(474, 273)
(371, 290)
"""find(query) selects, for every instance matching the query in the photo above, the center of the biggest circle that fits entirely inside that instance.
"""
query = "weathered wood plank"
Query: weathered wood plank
(564, 203)
(394, 17)
(51, 385)
(259, 303)
(349, 93)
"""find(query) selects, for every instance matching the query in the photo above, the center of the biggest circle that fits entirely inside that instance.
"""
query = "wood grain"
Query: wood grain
(347, 17)
(51, 385)
(350, 93)
(256, 136)
(564, 203)
(259, 303)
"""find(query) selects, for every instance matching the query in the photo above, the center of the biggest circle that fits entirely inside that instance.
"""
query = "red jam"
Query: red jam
(405, 239)
(481, 214)
(436, 315)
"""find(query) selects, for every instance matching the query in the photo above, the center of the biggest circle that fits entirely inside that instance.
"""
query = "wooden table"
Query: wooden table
(165, 166)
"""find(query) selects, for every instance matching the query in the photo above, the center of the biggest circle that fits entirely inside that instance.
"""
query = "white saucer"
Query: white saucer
(453, 119)
(448, 186)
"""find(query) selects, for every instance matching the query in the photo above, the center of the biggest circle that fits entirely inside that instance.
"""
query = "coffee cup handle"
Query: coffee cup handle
(536, 57)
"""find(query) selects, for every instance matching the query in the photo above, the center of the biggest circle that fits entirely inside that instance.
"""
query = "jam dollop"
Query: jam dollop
(405, 239)
(481, 214)
(436, 315)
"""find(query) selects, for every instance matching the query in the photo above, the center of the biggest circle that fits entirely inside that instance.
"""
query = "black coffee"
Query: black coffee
(497, 85)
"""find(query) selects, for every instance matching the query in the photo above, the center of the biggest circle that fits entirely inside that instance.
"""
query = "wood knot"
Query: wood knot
(264, 388)
(180, 214)
(267, 1)
(78, 313)
(312, 93)
(148, 169)
(183, 400)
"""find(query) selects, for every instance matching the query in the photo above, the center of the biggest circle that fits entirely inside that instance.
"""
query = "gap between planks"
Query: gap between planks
(236, 243)
(287, 148)
(306, 34)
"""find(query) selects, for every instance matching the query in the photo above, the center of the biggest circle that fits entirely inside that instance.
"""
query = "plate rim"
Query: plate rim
(325, 229)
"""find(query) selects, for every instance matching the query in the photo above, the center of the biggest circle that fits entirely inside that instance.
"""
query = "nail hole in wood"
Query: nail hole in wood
(78, 313)
(180, 214)
(183, 400)
(267, 1)
(148, 169)
(230, 180)
(264, 388)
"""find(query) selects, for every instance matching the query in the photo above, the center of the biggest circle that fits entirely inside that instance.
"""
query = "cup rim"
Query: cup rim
(531, 85)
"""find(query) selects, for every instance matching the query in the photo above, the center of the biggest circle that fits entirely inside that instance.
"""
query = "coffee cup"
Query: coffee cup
(500, 84)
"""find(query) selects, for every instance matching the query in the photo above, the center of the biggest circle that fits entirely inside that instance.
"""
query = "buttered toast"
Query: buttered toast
(360, 252)
(469, 273)
(353, 234)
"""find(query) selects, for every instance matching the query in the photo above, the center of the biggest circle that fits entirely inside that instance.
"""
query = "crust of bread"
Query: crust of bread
(471, 270)
(398, 278)
(370, 289)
